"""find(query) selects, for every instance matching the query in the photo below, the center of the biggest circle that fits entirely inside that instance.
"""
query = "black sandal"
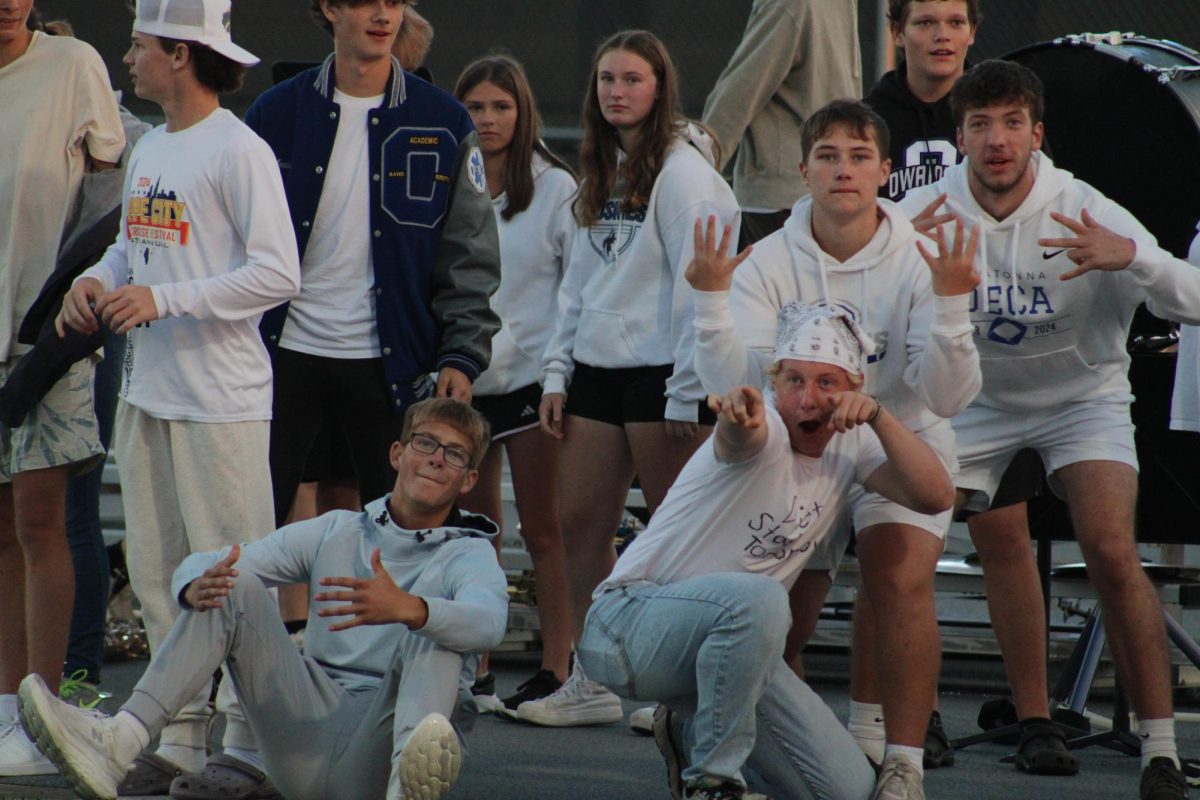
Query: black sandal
(938, 750)
(225, 778)
(1042, 749)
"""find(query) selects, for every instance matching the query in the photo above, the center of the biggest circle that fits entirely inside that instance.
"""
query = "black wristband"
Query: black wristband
(878, 410)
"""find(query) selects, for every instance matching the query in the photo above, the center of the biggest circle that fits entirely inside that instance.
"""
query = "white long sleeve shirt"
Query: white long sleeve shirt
(206, 227)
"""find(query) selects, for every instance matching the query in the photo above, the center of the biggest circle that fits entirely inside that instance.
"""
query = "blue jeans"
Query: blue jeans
(711, 649)
(85, 648)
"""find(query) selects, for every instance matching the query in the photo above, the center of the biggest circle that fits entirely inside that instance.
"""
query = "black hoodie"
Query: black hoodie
(922, 134)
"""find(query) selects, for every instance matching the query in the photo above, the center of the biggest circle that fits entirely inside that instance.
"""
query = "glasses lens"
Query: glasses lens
(457, 458)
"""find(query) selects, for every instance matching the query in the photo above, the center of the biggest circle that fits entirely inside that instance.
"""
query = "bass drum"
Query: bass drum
(1123, 114)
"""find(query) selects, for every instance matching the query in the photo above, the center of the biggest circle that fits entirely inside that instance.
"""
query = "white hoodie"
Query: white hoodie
(1185, 401)
(534, 246)
(925, 367)
(624, 301)
(1042, 341)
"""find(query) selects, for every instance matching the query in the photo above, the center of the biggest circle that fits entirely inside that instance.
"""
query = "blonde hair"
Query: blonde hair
(457, 415)
(856, 378)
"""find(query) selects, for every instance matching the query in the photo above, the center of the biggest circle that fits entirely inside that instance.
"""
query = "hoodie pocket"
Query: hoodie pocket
(1028, 383)
(603, 341)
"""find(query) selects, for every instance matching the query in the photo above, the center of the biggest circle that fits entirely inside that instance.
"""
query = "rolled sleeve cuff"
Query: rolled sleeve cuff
(555, 383)
(951, 315)
(682, 410)
(712, 310)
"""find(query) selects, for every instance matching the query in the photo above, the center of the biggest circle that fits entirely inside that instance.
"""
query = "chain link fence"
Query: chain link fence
(555, 39)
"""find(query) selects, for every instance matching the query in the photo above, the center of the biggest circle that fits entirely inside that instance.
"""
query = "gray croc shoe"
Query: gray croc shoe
(150, 776)
(225, 778)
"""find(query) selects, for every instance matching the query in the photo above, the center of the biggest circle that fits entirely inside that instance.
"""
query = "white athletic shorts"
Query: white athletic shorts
(868, 508)
(988, 438)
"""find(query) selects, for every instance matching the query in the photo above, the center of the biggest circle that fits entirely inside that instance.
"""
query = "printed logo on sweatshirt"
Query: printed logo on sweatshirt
(1016, 313)
(155, 216)
(773, 538)
(612, 234)
(924, 163)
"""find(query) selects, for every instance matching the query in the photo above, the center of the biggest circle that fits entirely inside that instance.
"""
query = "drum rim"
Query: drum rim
(1079, 40)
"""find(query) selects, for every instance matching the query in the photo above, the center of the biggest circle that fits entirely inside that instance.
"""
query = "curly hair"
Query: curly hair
(996, 81)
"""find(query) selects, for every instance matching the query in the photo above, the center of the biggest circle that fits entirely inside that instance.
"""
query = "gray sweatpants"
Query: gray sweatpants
(318, 740)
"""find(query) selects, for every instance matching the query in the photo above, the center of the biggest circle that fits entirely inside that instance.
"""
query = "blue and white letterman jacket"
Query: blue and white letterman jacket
(434, 244)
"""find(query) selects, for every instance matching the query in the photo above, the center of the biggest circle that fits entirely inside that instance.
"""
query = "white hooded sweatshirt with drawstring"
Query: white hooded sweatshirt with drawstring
(1042, 341)
(624, 301)
(925, 367)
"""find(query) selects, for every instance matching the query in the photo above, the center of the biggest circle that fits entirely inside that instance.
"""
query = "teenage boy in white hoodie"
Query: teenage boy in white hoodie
(1063, 268)
(363, 712)
(845, 248)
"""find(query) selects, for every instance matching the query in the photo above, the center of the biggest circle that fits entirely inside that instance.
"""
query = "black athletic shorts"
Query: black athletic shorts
(619, 396)
(510, 413)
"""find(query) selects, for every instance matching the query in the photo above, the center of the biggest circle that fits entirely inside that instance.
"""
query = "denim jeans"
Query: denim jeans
(85, 648)
(711, 649)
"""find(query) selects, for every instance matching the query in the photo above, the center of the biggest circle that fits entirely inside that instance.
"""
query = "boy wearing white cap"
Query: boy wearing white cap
(702, 594)
(206, 247)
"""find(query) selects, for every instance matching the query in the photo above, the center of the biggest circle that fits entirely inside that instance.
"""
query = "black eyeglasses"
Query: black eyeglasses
(455, 456)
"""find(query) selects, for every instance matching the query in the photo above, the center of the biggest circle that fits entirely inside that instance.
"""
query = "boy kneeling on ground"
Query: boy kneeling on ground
(695, 613)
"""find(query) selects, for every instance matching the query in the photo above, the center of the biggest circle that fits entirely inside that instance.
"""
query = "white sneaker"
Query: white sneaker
(81, 743)
(899, 780)
(429, 763)
(641, 721)
(19, 755)
(578, 702)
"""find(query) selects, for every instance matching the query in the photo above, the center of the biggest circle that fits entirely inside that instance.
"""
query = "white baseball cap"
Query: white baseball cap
(202, 21)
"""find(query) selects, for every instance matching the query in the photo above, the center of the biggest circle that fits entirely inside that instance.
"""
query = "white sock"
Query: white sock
(131, 735)
(251, 757)
(8, 708)
(188, 759)
(1158, 739)
(915, 756)
(866, 726)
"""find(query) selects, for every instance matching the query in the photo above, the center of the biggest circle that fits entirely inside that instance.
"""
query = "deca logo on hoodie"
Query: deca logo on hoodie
(614, 232)
(1016, 309)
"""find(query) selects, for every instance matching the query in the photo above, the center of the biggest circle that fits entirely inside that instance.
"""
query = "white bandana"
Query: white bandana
(815, 333)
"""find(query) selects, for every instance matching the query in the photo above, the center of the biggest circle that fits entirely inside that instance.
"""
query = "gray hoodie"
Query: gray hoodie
(452, 568)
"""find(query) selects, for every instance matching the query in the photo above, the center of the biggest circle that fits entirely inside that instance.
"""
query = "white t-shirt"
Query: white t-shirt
(334, 315)
(762, 515)
(55, 106)
(206, 227)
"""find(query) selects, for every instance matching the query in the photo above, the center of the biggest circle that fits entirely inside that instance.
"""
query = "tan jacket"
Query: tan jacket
(795, 56)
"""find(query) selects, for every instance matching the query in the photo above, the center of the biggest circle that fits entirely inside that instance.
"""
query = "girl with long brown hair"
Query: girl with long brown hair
(623, 340)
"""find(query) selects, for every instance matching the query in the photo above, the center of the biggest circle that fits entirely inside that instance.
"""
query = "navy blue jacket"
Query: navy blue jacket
(434, 243)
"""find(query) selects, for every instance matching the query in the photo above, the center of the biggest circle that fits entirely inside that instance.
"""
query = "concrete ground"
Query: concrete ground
(513, 761)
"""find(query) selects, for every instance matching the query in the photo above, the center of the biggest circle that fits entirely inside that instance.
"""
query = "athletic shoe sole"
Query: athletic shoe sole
(670, 750)
(430, 761)
(87, 773)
